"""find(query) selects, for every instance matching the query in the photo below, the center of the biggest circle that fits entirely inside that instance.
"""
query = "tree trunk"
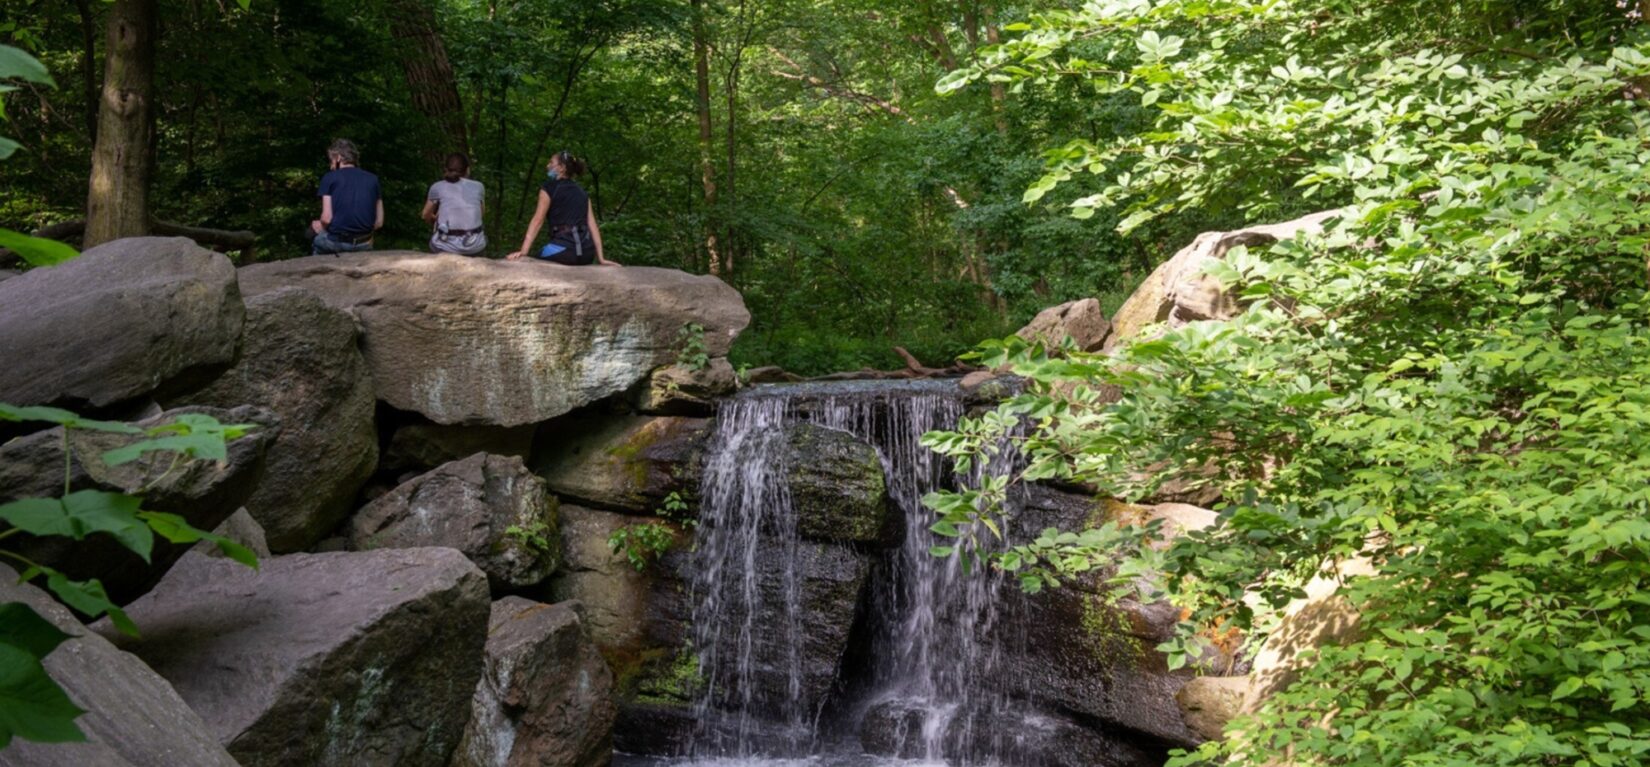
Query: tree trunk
(88, 65)
(999, 92)
(117, 202)
(707, 171)
(429, 74)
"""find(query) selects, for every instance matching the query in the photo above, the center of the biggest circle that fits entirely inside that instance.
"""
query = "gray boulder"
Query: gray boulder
(133, 717)
(299, 359)
(241, 528)
(1086, 648)
(1178, 291)
(125, 319)
(424, 446)
(470, 505)
(480, 341)
(681, 390)
(203, 492)
(613, 592)
(625, 463)
(1082, 321)
(831, 580)
(546, 697)
(837, 487)
(366, 658)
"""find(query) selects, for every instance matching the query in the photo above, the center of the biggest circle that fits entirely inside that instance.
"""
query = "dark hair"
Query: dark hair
(458, 164)
(574, 166)
(345, 151)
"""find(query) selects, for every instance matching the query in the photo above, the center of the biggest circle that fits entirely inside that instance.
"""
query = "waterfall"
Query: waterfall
(930, 626)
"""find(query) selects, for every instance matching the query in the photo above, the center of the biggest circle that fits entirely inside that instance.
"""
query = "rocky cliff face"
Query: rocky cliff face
(386, 654)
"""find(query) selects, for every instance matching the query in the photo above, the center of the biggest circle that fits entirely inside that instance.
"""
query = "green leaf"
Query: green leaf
(97, 511)
(37, 251)
(32, 705)
(208, 446)
(8, 147)
(22, 627)
(39, 516)
(89, 598)
(63, 418)
(178, 530)
(15, 64)
(1567, 688)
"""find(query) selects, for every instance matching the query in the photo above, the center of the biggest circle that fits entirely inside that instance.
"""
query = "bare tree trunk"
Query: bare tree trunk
(117, 202)
(999, 92)
(428, 72)
(707, 171)
(88, 65)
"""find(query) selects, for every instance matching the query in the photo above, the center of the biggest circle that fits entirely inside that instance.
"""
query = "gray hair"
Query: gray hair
(345, 151)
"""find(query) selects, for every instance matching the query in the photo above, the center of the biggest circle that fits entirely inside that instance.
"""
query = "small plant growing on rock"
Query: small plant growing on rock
(32, 705)
(693, 355)
(534, 535)
(646, 542)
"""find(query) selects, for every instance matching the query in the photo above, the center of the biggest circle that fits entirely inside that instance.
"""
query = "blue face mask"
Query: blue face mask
(553, 175)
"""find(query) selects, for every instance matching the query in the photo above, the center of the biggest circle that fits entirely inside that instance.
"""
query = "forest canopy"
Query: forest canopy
(797, 149)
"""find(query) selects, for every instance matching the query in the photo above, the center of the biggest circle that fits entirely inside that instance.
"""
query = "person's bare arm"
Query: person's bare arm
(428, 214)
(596, 236)
(378, 221)
(326, 210)
(533, 227)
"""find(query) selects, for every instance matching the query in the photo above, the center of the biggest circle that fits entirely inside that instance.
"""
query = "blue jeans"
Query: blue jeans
(326, 243)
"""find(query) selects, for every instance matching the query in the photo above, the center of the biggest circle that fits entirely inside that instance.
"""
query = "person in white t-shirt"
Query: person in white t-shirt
(454, 208)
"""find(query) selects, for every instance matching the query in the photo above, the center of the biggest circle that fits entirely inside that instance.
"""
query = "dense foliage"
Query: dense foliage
(1452, 382)
(854, 207)
(32, 705)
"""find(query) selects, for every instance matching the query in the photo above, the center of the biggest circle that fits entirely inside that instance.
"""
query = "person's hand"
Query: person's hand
(516, 256)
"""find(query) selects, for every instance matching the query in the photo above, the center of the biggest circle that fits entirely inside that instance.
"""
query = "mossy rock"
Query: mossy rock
(837, 488)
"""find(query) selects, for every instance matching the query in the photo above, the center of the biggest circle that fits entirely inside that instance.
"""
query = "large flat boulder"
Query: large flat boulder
(362, 658)
(203, 492)
(299, 358)
(125, 319)
(482, 341)
(133, 716)
(488, 506)
(546, 697)
(624, 463)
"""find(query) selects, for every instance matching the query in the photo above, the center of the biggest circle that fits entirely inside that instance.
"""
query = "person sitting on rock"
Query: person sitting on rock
(575, 239)
(454, 207)
(351, 207)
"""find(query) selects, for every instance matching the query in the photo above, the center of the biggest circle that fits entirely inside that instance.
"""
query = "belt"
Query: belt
(356, 239)
(461, 232)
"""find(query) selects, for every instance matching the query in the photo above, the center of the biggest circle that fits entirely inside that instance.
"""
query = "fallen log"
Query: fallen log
(217, 239)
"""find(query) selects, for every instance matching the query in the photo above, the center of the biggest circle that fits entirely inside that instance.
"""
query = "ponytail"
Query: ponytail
(457, 166)
(575, 166)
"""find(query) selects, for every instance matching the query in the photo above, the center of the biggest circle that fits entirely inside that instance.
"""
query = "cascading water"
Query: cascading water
(930, 656)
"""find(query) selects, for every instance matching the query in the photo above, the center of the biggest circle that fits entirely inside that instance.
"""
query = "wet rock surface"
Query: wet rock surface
(546, 696)
(366, 658)
(622, 463)
(896, 728)
(299, 359)
(133, 716)
(837, 487)
(488, 506)
(545, 340)
(122, 320)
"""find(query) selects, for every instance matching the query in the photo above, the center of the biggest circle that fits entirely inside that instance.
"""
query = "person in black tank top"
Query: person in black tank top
(575, 238)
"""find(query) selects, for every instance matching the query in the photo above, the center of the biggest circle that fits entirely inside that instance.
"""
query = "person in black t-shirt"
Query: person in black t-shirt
(575, 239)
(352, 208)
